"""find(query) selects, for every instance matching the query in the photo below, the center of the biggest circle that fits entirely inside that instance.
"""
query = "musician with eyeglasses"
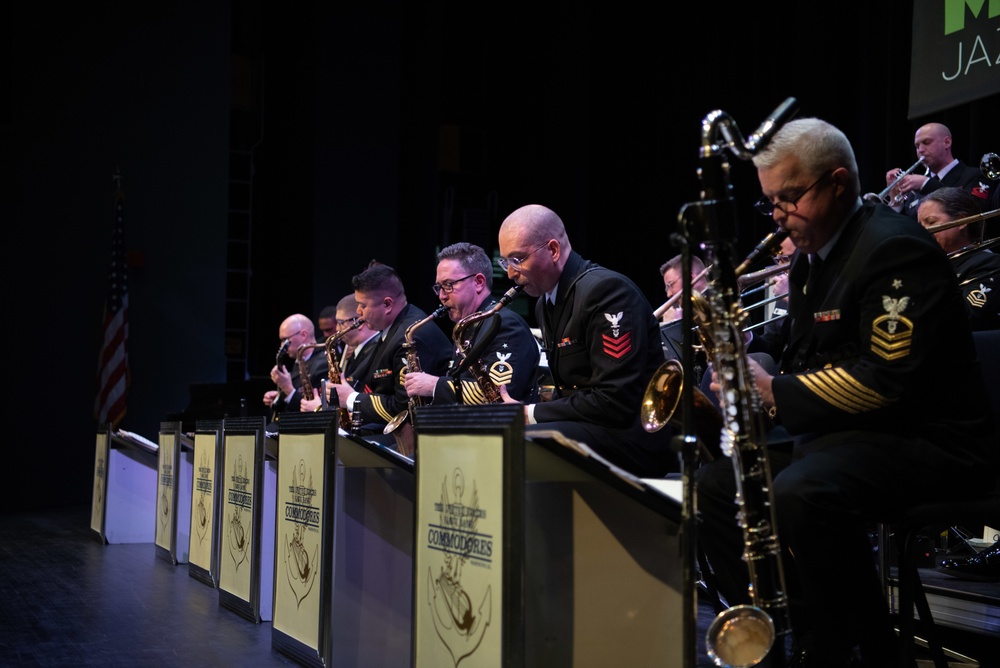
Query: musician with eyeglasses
(877, 328)
(977, 267)
(503, 349)
(601, 341)
(355, 352)
(299, 331)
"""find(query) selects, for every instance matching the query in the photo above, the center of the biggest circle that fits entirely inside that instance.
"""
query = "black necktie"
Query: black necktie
(815, 266)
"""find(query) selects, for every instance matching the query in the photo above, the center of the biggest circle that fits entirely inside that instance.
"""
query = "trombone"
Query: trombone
(958, 222)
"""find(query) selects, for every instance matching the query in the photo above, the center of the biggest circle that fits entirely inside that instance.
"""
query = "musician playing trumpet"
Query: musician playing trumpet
(933, 142)
(977, 269)
(463, 284)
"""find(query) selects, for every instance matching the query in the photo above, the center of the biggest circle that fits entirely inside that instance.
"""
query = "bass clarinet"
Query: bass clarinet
(742, 635)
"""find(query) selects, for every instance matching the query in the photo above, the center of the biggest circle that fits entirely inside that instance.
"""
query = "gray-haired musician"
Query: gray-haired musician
(877, 329)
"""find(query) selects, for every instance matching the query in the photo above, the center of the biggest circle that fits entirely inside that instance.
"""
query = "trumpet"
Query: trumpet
(883, 197)
(990, 166)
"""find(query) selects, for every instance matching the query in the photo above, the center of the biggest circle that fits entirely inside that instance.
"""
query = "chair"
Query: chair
(982, 511)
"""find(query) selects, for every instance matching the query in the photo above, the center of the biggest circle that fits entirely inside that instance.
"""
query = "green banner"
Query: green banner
(955, 55)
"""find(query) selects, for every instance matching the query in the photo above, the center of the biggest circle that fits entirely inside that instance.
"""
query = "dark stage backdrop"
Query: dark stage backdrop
(269, 151)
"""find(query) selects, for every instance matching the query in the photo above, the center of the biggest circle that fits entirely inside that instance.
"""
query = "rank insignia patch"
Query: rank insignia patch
(977, 298)
(501, 372)
(892, 334)
(617, 347)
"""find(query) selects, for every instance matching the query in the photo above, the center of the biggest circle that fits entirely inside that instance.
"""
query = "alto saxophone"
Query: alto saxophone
(404, 437)
(477, 367)
(333, 365)
(308, 392)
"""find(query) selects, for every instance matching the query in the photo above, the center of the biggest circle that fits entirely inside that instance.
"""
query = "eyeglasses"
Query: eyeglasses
(343, 323)
(669, 285)
(516, 262)
(449, 286)
(293, 335)
(766, 207)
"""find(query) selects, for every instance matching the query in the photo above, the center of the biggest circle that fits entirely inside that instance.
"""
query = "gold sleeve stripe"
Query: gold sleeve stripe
(380, 409)
(879, 399)
(472, 393)
(841, 390)
(829, 395)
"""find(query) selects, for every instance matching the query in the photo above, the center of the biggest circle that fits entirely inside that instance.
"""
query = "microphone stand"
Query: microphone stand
(686, 445)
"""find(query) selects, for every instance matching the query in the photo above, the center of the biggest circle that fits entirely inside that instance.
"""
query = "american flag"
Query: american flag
(112, 365)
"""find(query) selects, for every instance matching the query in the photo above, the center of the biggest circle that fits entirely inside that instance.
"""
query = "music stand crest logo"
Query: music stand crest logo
(301, 563)
(239, 499)
(458, 623)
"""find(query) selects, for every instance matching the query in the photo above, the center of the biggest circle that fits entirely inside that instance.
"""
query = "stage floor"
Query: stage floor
(67, 600)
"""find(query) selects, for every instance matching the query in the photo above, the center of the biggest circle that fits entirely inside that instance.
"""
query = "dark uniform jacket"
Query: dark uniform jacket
(880, 341)
(979, 277)
(318, 369)
(961, 176)
(385, 395)
(602, 344)
(511, 359)
(357, 365)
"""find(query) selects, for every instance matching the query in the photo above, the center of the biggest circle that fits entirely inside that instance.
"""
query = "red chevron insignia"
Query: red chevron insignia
(617, 347)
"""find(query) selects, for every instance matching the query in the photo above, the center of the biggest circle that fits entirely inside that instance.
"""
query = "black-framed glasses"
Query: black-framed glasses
(766, 207)
(449, 286)
(345, 323)
(516, 262)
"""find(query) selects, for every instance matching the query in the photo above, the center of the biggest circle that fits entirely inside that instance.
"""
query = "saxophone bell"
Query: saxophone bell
(401, 425)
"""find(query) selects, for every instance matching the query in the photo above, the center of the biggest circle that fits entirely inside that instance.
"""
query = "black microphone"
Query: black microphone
(766, 246)
(763, 134)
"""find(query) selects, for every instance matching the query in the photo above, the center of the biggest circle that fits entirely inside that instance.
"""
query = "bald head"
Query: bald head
(536, 237)
(299, 329)
(534, 224)
(933, 142)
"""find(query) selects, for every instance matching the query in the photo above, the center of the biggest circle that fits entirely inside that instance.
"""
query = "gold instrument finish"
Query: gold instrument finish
(462, 345)
(333, 366)
(307, 389)
(740, 635)
(405, 439)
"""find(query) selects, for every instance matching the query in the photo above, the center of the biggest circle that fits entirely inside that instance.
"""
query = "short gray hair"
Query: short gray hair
(819, 146)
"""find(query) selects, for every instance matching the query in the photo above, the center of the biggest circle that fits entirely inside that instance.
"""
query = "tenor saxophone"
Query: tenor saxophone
(477, 367)
(404, 434)
(333, 365)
